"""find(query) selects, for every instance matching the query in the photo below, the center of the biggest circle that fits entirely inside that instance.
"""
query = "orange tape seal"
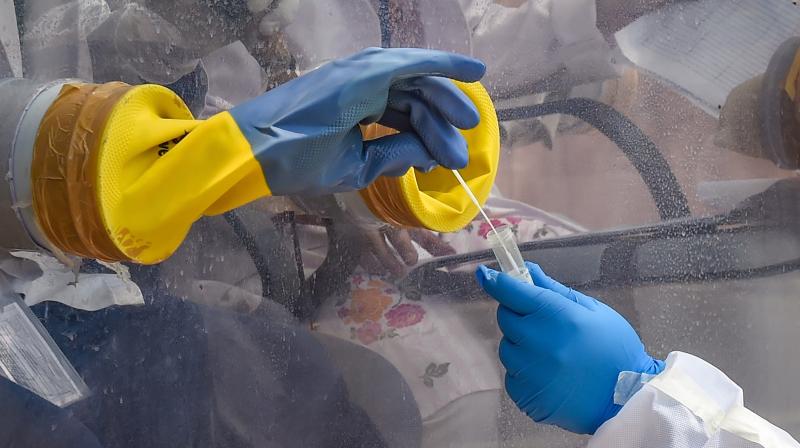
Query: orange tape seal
(64, 169)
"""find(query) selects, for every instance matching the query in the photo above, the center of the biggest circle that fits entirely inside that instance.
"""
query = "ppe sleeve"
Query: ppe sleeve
(690, 404)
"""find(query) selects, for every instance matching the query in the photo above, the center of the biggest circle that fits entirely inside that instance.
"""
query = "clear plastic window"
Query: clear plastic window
(649, 157)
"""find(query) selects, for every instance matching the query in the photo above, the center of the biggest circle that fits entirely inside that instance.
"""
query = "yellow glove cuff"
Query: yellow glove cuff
(120, 173)
(436, 200)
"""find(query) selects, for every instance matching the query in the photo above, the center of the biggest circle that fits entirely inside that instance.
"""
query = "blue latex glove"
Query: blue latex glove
(305, 133)
(562, 350)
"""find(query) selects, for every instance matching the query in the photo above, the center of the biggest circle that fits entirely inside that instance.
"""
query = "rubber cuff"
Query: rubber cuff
(121, 173)
(435, 200)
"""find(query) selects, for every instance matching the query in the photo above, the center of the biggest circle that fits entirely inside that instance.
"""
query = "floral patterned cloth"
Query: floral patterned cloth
(374, 312)
(444, 347)
(431, 341)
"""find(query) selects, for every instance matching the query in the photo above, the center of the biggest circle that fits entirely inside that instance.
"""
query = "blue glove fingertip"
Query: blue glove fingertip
(470, 69)
(472, 118)
(485, 276)
(458, 66)
(535, 269)
(458, 157)
(540, 278)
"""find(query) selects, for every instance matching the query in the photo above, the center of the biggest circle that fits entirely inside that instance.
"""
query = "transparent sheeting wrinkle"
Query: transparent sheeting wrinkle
(502, 241)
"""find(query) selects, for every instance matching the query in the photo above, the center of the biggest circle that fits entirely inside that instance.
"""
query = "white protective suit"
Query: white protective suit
(691, 404)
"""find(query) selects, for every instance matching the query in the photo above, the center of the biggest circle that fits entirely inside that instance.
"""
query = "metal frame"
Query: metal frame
(761, 216)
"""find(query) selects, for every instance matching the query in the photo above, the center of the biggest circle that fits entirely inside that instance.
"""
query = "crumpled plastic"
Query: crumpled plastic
(40, 278)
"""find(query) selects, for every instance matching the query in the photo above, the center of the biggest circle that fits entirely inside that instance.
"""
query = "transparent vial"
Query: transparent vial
(505, 249)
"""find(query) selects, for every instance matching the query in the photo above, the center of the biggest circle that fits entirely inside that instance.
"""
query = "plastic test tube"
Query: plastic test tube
(505, 249)
(501, 240)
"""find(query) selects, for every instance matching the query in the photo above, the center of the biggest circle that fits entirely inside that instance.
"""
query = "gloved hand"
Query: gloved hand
(302, 138)
(305, 133)
(562, 350)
